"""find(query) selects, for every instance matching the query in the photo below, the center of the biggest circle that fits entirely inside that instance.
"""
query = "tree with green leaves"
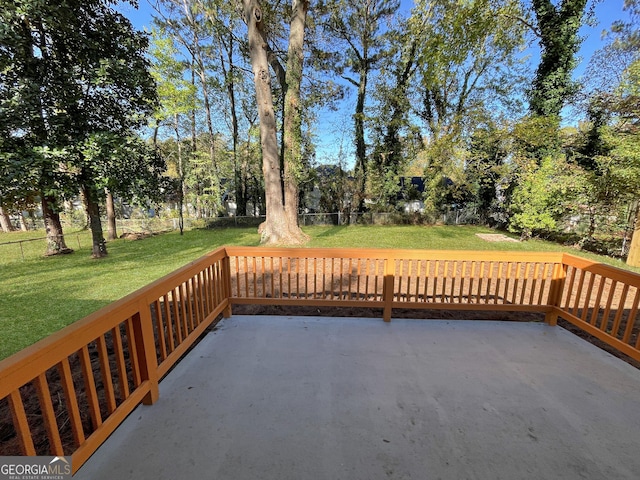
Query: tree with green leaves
(468, 62)
(557, 28)
(31, 124)
(610, 151)
(541, 197)
(76, 71)
(127, 167)
(18, 187)
(224, 20)
(396, 138)
(358, 28)
(187, 22)
(177, 98)
(468, 71)
(209, 40)
(487, 171)
(281, 224)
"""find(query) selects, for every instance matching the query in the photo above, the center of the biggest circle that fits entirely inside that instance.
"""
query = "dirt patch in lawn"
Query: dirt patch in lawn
(495, 237)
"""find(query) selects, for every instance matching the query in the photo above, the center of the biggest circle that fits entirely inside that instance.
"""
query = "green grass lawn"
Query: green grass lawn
(41, 295)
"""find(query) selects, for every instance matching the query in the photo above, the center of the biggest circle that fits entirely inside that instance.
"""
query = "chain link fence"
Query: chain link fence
(20, 250)
(450, 217)
(11, 251)
(28, 248)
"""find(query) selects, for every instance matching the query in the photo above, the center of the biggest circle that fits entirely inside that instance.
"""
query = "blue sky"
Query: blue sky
(334, 128)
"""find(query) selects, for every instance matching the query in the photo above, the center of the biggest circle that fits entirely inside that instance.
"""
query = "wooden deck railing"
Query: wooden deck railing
(388, 279)
(71, 390)
(603, 301)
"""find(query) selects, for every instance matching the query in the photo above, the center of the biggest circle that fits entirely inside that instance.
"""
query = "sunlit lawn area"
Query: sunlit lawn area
(41, 295)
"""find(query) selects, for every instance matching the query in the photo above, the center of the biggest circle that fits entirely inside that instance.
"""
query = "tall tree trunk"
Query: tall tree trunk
(92, 207)
(5, 221)
(633, 259)
(55, 238)
(293, 118)
(245, 180)
(32, 219)
(112, 234)
(391, 156)
(199, 214)
(23, 223)
(53, 227)
(361, 146)
(275, 229)
(204, 84)
(207, 107)
(240, 187)
(180, 175)
(194, 146)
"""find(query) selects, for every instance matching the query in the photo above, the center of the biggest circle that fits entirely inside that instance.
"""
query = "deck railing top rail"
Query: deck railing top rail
(598, 268)
(410, 254)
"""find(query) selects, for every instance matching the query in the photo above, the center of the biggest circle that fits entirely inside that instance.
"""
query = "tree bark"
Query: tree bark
(238, 168)
(112, 234)
(247, 192)
(276, 228)
(181, 193)
(92, 207)
(292, 117)
(361, 146)
(55, 238)
(5, 221)
(23, 222)
(633, 259)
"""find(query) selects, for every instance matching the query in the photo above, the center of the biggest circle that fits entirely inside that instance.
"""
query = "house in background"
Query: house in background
(410, 194)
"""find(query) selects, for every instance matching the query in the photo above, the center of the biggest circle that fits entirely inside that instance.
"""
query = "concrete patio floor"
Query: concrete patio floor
(354, 398)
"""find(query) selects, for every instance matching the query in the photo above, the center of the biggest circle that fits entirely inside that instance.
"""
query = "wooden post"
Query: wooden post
(387, 288)
(555, 293)
(21, 424)
(146, 348)
(226, 282)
